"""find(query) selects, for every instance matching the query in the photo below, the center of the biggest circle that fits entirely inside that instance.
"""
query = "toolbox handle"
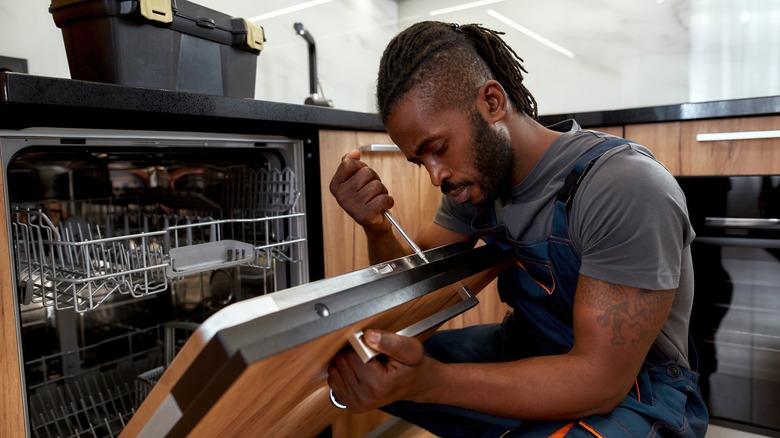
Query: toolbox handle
(206, 22)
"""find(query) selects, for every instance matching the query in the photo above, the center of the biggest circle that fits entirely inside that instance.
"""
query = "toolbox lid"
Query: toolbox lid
(179, 15)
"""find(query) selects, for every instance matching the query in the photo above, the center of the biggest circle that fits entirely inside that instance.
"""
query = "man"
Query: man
(601, 289)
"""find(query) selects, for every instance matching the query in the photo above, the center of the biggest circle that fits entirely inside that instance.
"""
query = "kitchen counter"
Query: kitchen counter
(758, 106)
(28, 100)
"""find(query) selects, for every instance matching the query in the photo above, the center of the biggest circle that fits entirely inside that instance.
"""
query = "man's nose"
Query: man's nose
(437, 172)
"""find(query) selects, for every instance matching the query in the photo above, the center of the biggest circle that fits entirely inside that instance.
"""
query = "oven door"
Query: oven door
(736, 315)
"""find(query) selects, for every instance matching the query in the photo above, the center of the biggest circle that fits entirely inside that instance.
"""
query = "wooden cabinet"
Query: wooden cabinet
(662, 139)
(416, 199)
(614, 130)
(735, 146)
(738, 146)
(11, 406)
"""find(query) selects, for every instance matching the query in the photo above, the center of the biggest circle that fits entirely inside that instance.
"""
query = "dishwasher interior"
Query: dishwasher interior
(123, 243)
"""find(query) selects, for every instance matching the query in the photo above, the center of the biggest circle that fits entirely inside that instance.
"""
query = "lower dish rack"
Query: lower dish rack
(99, 401)
(73, 263)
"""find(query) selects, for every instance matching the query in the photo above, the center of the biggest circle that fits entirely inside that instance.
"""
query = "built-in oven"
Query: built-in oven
(122, 243)
(735, 321)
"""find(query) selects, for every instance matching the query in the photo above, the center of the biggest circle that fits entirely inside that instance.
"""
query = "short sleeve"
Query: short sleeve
(629, 221)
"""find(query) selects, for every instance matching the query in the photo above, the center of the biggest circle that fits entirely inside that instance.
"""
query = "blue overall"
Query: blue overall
(540, 286)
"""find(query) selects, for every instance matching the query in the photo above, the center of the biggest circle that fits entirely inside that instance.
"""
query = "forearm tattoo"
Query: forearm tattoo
(631, 316)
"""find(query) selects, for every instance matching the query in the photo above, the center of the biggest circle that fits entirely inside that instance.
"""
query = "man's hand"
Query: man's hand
(382, 380)
(360, 192)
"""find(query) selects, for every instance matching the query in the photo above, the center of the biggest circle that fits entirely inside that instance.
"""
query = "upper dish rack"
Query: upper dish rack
(66, 260)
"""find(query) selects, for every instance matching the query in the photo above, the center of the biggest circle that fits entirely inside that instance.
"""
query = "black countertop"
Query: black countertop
(759, 106)
(38, 101)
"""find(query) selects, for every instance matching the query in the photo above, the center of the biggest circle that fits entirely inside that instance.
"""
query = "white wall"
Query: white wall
(633, 53)
(628, 53)
(27, 31)
(735, 49)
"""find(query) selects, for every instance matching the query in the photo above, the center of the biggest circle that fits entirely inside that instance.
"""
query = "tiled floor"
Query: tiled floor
(721, 432)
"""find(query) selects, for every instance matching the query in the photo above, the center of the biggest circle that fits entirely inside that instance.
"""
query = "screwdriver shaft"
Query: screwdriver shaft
(406, 237)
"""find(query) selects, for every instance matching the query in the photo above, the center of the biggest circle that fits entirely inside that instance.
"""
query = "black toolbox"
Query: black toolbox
(168, 44)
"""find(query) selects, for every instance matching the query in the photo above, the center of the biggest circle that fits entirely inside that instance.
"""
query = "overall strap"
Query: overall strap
(581, 168)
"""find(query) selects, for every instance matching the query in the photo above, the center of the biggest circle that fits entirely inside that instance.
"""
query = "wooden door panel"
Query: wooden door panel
(740, 155)
(11, 406)
(613, 130)
(338, 228)
(663, 140)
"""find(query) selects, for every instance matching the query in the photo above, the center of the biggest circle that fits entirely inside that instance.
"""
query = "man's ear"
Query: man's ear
(493, 101)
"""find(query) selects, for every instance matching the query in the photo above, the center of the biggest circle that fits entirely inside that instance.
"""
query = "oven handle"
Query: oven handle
(744, 242)
(740, 222)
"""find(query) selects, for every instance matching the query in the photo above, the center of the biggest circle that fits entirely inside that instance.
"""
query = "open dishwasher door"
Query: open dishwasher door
(259, 367)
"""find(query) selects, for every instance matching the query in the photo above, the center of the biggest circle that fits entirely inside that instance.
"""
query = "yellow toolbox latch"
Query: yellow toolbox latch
(255, 36)
(157, 10)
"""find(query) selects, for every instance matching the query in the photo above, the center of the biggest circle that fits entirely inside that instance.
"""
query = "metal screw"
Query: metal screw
(322, 310)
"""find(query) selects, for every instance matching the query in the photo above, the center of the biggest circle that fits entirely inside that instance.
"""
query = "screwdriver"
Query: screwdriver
(406, 237)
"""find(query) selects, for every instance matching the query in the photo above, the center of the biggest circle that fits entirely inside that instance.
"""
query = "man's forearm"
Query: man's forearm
(527, 389)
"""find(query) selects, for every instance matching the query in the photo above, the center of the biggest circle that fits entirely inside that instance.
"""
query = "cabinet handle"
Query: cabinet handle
(379, 148)
(741, 222)
(742, 242)
(745, 135)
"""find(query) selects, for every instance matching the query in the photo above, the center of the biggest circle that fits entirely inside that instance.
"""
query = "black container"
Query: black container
(168, 44)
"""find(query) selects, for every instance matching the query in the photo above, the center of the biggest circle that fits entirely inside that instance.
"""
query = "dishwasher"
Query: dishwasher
(124, 242)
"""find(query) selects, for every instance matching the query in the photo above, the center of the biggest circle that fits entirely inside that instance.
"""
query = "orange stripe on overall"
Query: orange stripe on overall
(546, 289)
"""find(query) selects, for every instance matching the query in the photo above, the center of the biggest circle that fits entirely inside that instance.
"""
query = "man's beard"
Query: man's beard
(494, 160)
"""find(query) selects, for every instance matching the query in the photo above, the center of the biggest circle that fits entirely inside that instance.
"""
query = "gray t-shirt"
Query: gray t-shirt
(629, 221)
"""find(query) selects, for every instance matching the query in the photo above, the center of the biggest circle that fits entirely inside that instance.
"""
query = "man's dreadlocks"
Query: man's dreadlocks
(451, 62)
